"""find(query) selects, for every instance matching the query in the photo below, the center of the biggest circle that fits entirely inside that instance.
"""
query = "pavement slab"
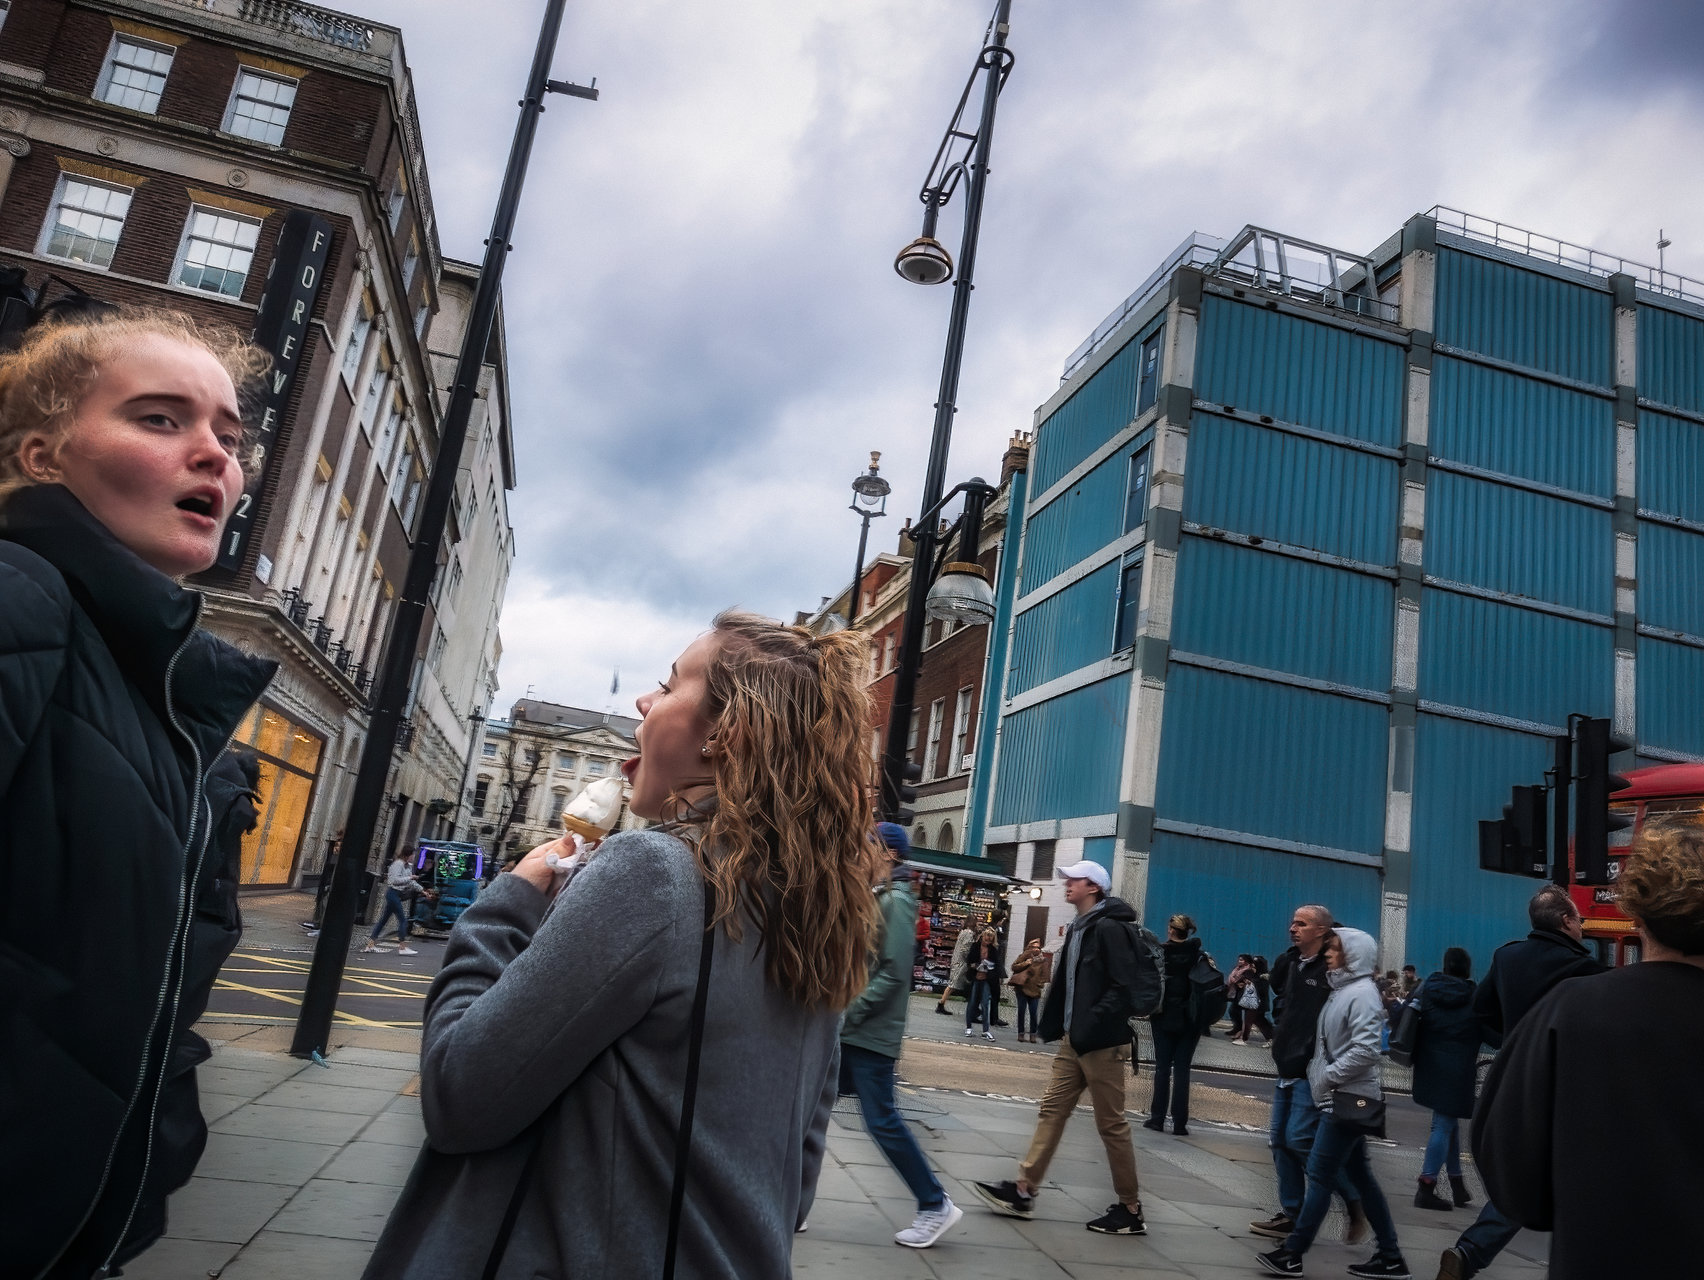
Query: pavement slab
(247, 1158)
(225, 1209)
(297, 1124)
(337, 1210)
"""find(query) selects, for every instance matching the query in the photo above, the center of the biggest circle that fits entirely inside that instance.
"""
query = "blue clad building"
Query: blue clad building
(1321, 549)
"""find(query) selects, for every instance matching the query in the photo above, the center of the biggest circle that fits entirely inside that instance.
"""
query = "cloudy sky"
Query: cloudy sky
(706, 333)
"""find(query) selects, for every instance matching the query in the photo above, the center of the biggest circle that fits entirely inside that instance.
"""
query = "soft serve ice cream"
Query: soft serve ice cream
(589, 817)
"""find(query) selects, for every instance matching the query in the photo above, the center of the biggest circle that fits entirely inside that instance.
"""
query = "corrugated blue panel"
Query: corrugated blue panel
(1283, 614)
(1671, 466)
(1298, 371)
(1242, 898)
(1076, 524)
(1250, 755)
(1100, 849)
(1526, 318)
(1671, 578)
(1671, 358)
(1512, 661)
(1063, 758)
(1065, 631)
(1669, 678)
(1251, 479)
(1462, 774)
(1522, 427)
(1507, 539)
(1096, 411)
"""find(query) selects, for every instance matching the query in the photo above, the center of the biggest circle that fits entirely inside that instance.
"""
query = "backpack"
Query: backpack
(1150, 988)
(1207, 998)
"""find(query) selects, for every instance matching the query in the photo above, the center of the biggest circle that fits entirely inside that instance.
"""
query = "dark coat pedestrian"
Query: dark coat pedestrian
(1103, 986)
(114, 706)
(1523, 971)
(1448, 1049)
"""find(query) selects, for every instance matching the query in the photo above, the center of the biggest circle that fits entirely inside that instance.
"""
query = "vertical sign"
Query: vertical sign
(292, 284)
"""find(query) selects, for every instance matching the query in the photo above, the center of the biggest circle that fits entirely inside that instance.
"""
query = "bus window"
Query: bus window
(1632, 950)
(1683, 810)
(1604, 950)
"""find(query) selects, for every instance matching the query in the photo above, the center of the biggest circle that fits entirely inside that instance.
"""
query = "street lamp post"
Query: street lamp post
(869, 500)
(925, 261)
(331, 950)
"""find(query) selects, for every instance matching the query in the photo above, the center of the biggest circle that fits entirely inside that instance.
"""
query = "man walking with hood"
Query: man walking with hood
(1088, 1009)
(870, 1040)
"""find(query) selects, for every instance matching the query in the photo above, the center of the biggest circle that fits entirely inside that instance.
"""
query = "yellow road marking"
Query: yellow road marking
(291, 999)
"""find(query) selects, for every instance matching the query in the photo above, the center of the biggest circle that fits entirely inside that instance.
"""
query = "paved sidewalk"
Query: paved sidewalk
(304, 1164)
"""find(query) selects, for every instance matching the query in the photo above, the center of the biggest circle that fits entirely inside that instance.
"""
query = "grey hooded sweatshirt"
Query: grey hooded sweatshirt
(1346, 1046)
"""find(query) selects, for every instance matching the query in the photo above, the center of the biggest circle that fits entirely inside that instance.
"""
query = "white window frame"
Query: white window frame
(410, 261)
(399, 476)
(103, 85)
(961, 731)
(911, 732)
(179, 262)
(360, 332)
(932, 751)
(398, 198)
(230, 117)
(48, 223)
(887, 652)
(558, 802)
(596, 766)
(376, 386)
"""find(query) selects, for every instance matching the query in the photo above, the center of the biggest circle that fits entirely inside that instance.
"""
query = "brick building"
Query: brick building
(177, 153)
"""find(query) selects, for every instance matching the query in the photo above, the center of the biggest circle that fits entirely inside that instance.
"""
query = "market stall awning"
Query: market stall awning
(957, 864)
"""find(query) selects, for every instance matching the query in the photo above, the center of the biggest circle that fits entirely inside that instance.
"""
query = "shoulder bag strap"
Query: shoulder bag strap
(535, 1141)
(689, 1101)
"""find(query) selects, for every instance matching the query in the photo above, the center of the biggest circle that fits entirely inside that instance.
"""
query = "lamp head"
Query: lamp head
(869, 490)
(925, 261)
(961, 594)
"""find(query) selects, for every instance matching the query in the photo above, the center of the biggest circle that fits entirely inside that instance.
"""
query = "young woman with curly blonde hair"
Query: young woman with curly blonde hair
(636, 1075)
(122, 446)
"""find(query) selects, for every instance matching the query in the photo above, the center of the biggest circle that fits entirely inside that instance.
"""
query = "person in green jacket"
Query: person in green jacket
(870, 1039)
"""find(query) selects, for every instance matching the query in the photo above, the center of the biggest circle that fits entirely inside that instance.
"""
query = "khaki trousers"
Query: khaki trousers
(1103, 1073)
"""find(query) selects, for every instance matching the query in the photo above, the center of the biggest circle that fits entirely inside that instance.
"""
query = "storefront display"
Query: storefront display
(951, 903)
(289, 763)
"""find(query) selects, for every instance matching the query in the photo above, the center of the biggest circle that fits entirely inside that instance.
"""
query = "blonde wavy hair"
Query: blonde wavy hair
(1662, 886)
(791, 844)
(43, 382)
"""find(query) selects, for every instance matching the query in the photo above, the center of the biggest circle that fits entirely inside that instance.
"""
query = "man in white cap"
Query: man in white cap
(1088, 1009)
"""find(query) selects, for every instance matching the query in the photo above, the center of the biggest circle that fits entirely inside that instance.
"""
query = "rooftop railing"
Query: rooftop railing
(1532, 244)
(1198, 249)
(305, 20)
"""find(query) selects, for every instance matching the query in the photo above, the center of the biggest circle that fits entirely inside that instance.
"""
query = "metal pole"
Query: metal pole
(475, 735)
(331, 951)
(946, 405)
(858, 571)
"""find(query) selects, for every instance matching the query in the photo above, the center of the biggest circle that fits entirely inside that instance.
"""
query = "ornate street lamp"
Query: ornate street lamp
(869, 500)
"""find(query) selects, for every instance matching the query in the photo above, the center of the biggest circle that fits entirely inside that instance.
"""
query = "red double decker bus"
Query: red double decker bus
(1669, 793)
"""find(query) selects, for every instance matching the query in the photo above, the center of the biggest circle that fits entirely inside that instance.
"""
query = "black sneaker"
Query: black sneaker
(1004, 1197)
(1277, 1227)
(1119, 1221)
(1382, 1267)
(1281, 1262)
(1155, 1123)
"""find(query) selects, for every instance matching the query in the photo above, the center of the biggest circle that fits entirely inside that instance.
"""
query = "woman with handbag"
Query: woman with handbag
(986, 972)
(1030, 974)
(1344, 1078)
(1446, 1057)
(634, 1076)
(1249, 988)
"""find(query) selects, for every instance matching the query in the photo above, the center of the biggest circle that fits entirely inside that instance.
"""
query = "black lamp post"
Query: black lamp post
(925, 261)
(869, 500)
(325, 974)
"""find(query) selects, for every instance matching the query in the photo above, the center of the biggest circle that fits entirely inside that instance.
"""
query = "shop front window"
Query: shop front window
(289, 756)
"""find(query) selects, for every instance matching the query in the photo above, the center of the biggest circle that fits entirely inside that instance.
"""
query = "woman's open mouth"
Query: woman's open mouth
(202, 509)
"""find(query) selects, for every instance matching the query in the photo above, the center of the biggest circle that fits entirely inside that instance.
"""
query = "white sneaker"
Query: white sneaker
(929, 1226)
(969, 1031)
(406, 951)
(987, 1035)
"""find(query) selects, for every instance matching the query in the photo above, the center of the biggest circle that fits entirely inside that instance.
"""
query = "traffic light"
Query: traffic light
(898, 805)
(1593, 746)
(1515, 844)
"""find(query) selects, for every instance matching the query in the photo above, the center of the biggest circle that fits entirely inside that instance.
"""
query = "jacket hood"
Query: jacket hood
(1445, 991)
(1360, 957)
(1117, 909)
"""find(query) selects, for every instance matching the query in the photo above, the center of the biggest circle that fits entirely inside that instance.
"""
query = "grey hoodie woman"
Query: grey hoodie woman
(1346, 1045)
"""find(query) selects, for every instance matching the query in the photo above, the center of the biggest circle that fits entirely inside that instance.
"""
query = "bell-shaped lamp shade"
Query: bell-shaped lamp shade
(924, 261)
(961, 594)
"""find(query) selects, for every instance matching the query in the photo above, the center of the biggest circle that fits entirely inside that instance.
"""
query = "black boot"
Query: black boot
(1427, 1196)
(1459, 1192)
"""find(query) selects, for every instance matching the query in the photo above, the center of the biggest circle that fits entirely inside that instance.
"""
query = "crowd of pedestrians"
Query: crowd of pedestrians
(764, 921)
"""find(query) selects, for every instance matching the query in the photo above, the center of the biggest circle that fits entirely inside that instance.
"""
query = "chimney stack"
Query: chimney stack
(1017, 455)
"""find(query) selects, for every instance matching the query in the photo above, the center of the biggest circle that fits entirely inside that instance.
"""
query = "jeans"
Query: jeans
(1031, 1006)
(1487, 1237)
(981, 998)
(872, 1081)
(1295, 1120)
(1173, 1052)
(1339, 1148)
(393, 906)
(1444, 1144)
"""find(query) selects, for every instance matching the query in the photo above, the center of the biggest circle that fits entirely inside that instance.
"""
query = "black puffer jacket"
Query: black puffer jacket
(1446, 1056)
(113, 708)
(1178, 1014)
(1103, 991)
